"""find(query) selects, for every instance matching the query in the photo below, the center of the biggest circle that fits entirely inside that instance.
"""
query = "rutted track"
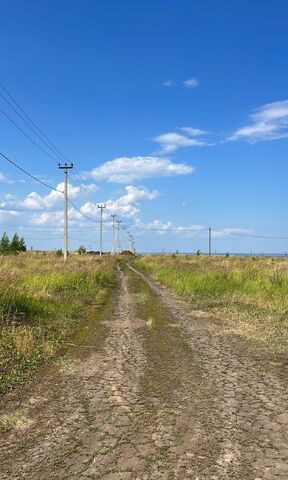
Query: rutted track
(157, 395)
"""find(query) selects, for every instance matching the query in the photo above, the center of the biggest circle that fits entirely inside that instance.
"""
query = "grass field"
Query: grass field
(42, 302)
(246, 296)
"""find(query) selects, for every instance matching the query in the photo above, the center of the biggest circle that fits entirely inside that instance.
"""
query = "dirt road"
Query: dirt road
(151, 393)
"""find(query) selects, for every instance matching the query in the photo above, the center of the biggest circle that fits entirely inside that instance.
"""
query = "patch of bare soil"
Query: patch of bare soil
(151, 393)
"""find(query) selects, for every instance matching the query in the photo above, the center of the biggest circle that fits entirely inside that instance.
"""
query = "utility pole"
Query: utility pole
(113, 234)
(130, 242)
(209, 241)
(101, 206)
(118, 235)
(65, 168)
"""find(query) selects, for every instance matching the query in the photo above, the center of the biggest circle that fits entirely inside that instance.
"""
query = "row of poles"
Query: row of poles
(115, 223)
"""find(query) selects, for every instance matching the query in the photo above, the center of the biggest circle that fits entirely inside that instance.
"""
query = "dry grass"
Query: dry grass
(246, 296)
(23, 341)
(15, 420)
(42, 300)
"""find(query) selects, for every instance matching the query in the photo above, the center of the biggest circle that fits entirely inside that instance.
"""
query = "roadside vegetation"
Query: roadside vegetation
(42, 303)
(246, 296)
(12, 247)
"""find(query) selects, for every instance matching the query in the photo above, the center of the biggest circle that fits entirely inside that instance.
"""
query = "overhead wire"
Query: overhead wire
(29, 174)
(83, 214)
(89, 194)
(60, 156)
(86, 192)
(31, 121)
(29, 126)
(41, 135)
(250, 235)
(27, 136)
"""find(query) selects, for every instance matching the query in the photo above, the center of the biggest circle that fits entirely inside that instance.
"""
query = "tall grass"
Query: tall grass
(41, 302)
(246, 296)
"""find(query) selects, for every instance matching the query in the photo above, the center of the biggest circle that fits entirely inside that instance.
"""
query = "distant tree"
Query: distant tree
(5, 244)
(198, 253)
(59, 252)
(227, 254)
(15, 244)
(81, 250)
(22, 245)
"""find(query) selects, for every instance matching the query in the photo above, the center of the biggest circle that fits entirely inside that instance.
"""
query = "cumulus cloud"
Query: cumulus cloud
(34, 201)
(128, 204)
(160, 228)
(48, 218)
(191, 83)
(172, 141)
(129, 169)
(269, 122)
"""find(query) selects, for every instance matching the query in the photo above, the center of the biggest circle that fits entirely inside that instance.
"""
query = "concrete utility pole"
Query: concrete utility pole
(118, 235)
(114, 215)
(101, 206)
(65, 168)
(209, 241)
(129, 241)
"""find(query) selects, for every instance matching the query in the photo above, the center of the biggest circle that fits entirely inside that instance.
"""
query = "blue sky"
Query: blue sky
(174, 112)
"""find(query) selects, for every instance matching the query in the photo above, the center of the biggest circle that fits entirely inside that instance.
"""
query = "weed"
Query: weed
(42, 301)
(17, 420)
(247, 296)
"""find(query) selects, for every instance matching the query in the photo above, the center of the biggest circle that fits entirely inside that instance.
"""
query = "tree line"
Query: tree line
(13, 246)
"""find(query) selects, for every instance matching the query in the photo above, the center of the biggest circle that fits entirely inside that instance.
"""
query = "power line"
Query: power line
(167, 230)
(29, 126)
(31, 121)
(87, 191)
(29, 174)
(28, 136)
(85, 186)
(83, 214)
(250, 235)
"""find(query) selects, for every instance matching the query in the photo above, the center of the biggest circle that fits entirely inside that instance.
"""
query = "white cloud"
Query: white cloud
(231, 230)
(129, 169)
(128, 204)
(191, 83)
(169, 83)
(3, 178)
(34, 201)
(193, 132)
(269, 122)
(160, 228)
(48, 218)
(169, 142)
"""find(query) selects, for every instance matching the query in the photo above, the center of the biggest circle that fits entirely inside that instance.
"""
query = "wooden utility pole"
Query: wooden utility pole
(65, 168)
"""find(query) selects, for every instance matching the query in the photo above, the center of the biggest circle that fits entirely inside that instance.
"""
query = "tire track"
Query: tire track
(153, 393)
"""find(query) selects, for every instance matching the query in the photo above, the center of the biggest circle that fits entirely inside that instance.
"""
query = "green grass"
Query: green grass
(42, 302)
(246, 296)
